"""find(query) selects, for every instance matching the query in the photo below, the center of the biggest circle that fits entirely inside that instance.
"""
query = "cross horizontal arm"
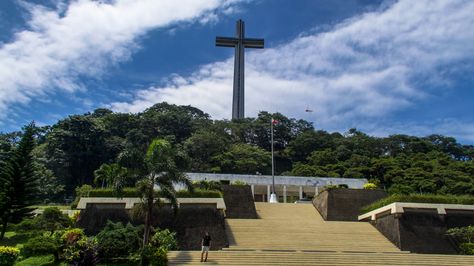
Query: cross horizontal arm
(226, 41)
(253, 43)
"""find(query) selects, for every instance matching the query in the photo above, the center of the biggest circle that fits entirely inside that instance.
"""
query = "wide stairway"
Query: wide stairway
(295, 234)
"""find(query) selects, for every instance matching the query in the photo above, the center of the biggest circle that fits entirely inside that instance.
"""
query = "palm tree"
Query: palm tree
(112, 175)
(162, 170)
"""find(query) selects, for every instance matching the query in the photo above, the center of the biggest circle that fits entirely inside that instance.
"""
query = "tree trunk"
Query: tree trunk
(148, 221)
(148, 215)
(4, 228)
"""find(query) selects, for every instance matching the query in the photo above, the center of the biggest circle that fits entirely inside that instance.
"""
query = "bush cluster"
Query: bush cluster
(40, 245)
(370, 186)
(420, 198)
(8, 255)
(78, 249)
(117, 240)
(464, 235)
(133, 193)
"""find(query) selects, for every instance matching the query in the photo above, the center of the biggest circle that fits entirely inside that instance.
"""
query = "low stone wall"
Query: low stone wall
(422, 230)
(190, 223)
(344, 204)
(239, 202)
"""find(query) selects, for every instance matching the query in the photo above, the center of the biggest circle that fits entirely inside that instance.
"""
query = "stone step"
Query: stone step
(295, 234)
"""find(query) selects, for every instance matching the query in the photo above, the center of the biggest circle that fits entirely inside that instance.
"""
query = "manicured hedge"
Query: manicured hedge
(420, 198)
(133, 193)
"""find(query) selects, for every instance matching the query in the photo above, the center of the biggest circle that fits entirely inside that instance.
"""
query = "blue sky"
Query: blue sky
(384, 67)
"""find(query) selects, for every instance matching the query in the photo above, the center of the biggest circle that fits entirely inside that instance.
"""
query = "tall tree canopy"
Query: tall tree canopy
(71, 150)
(18, 181)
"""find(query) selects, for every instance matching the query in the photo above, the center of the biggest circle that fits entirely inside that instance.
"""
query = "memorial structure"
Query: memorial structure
(239, 42)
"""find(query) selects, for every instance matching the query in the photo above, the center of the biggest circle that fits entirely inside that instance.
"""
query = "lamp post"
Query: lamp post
(273, 196)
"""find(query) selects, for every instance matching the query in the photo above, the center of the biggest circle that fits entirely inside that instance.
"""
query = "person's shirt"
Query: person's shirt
(206, 241)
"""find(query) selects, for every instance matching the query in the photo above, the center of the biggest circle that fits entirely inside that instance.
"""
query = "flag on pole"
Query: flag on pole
(275, 122)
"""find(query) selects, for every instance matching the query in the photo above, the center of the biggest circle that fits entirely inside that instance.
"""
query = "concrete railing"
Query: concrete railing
(398, 208)
(130, 202)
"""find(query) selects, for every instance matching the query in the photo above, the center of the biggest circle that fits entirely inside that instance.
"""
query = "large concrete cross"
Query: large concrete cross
(240, 43)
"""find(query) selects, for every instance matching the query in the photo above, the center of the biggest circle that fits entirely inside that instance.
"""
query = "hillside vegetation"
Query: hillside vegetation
(69, 151)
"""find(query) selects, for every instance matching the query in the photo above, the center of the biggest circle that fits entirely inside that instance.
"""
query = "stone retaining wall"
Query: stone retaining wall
(239, 202)
(423, 231)
(344, 204)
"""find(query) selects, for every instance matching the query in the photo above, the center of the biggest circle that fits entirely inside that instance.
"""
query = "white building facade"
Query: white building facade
(287, 188)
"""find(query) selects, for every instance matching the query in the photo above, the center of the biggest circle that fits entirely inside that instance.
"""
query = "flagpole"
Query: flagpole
(273, 197)
(273, 161)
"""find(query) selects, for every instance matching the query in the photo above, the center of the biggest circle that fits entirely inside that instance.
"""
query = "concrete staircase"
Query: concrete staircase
(295, 234)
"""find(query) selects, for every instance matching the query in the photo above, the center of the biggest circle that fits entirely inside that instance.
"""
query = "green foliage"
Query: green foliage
(84, 191)
(108, 192)
(467, 248)
(8, 255)
(463, 234)
(207, 185)
(370, 186)
(52, 219)
(239, 183)
(134, 193)
(162, 168)
(420, 198)
(112, 175)
(77, 249)
(244, 159)
(45, 260)
(197, 193)
(19, 182)
(164, 239)
(117, 240)
(71, 150)
(40, 245)
(155, 256)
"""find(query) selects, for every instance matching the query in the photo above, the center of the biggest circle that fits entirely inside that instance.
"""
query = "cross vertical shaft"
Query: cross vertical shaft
(239, 43)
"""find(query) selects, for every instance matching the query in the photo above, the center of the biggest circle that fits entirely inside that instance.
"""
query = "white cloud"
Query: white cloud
(365, 68)
(83, 38)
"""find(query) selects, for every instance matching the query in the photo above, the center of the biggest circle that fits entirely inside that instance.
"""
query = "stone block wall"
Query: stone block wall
(344, 204)
(189, 223)
(239, 202)
(423, 231)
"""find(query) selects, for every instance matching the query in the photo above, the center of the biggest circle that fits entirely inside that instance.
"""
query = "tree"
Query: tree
(112, 175)
(244, 159)
(53, 219)
(203, 145)
(163, 166)
(76, 147)
(19, 181)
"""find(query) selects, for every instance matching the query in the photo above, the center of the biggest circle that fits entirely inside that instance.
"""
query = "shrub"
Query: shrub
(83, 191)
(239, 183)
(77, 249)
(46, 260)
(198, 193)
(53, 219)
(467, 248)
(40, 245)
(155, 256)
(207, 185)
(28, 224)
(133, 193)
(164, 238)
(370, 186)
(116, 240)
(419, 198)
(8, 255)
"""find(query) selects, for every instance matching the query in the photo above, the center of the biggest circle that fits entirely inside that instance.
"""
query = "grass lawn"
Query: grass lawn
(61, 207)
(13, 239)
(46, 260)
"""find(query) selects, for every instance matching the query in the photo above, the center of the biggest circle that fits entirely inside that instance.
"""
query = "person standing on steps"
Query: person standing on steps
(206, 244)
